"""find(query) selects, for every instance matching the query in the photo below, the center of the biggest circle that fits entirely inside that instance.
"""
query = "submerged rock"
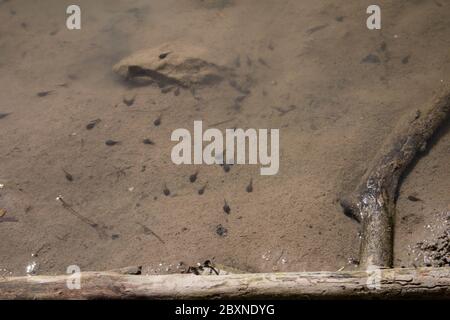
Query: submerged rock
(173, 64)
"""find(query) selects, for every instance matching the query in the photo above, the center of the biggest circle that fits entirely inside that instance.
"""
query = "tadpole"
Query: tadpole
(91, 125)
(166, 191)
(111, 143)
(69, 177)
(226, 208)
(43, 93)
(413, 198)
(202, 190)
(193, 177)
(250, 186)
(163, 55)
(148, 141)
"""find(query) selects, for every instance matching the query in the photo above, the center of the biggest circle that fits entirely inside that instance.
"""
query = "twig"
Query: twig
(87, 221)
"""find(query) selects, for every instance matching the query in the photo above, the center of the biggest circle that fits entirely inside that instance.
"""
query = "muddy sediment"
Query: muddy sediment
(71, 127)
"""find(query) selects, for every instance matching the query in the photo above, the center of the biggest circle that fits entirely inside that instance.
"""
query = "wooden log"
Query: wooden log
(382, 283)
(373, 201)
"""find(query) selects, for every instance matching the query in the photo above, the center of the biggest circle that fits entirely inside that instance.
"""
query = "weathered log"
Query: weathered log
(380, 284)
(373, 201)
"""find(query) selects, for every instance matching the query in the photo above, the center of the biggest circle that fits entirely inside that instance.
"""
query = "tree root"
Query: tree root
(373, 201)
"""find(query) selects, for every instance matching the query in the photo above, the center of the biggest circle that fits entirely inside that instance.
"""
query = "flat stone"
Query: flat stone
(173, 64)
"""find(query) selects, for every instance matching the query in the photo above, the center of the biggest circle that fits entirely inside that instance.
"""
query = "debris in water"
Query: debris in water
(149, 231)
(99, 228)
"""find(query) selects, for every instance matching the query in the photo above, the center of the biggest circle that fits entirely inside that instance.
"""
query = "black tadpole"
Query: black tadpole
(250, 186)
(226, 208)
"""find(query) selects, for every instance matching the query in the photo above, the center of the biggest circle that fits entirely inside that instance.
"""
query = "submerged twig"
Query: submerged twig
(87, 221)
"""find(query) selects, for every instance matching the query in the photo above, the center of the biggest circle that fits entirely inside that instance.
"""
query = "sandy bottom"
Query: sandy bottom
(308, 74)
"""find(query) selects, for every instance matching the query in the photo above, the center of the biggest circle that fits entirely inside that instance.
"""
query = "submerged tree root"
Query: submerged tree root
(373, 201)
